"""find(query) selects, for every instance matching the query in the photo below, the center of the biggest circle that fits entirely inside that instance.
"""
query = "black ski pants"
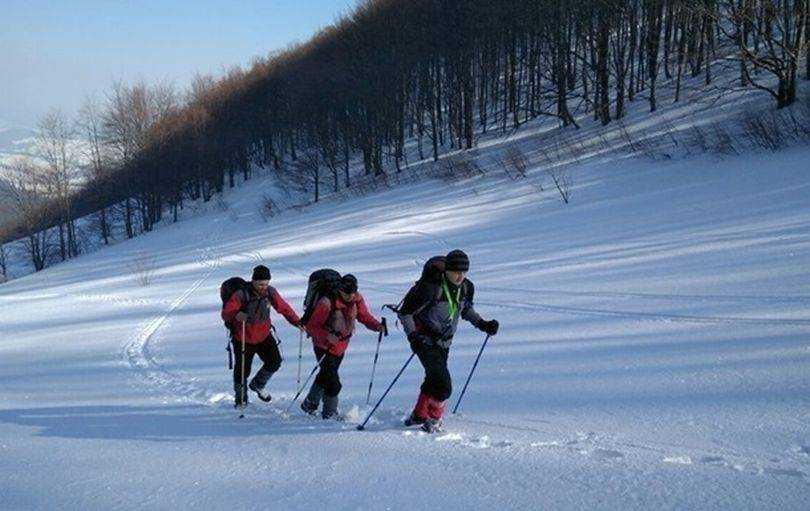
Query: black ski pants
(328, 378)
(267, 350)
(437, 383)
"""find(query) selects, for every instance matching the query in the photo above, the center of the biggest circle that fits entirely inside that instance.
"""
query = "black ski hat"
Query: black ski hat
(457, 260)
(348, 284)
(261, 272)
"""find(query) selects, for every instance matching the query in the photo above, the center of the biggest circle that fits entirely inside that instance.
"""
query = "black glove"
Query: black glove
(384, 327)
(489, 327)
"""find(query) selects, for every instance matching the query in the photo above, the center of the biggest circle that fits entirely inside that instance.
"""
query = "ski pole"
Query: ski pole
(301, 389)
(376, 356)
(300, 356)
(230, 353)
(362, 426)
(471, 373)
(276, 337)
(243, 382)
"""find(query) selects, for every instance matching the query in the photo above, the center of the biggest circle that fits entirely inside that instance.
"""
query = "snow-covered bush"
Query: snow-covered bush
(515, 163)
(457, 166)
(268, 207)
(143, 267)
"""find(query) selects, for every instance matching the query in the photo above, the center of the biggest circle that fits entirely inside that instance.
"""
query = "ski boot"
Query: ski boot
(258, 384)
(421, 411)
(262, 392)
(432, 426)
(240, 397)
(330, 407)
(414, 420)
(313, 400)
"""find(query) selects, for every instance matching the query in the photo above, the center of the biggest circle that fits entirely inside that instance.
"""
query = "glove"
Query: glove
(489, 327)
(241, 317)
(384, 328)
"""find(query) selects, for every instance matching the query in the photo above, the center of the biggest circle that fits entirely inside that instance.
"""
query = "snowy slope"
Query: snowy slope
(654, 353)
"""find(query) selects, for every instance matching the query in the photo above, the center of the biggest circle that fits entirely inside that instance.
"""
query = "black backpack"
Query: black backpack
(228, 288)
(323, 282)
(432, 271)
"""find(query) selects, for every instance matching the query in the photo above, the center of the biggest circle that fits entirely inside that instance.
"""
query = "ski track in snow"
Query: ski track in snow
(442, 245)
(607, 448)
(756, 299)
(644, 316)
(136, 350)
(121, 301)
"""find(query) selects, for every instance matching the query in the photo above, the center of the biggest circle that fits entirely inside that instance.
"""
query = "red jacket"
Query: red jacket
(257, 327)
(332, 322)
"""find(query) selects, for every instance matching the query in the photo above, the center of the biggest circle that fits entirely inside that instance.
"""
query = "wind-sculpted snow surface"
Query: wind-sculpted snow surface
(654, 353)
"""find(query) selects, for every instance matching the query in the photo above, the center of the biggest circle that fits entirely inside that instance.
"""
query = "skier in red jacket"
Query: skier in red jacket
(250, 308)
(331, 327)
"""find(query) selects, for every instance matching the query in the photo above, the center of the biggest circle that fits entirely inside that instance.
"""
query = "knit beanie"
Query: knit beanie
(261, 272)
(457, 260)
(348, 284)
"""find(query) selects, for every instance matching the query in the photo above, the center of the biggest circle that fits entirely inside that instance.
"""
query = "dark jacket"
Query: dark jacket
(426, 309)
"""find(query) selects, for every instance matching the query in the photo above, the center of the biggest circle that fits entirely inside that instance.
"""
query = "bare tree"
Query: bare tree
(779, 28)
(24, 189)
(56, 147)
(308, 170)
(90, 123)
(561, 177)
(438, 69)
(130, 117)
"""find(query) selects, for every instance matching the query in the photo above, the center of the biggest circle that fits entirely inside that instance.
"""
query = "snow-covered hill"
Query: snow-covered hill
(654, 352)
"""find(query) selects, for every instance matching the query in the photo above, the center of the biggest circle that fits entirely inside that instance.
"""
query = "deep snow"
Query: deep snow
(654, 352)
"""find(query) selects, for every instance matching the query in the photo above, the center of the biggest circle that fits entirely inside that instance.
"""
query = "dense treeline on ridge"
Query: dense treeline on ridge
(435, 72)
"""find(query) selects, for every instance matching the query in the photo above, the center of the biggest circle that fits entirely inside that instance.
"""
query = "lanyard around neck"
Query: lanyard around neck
(452, 301)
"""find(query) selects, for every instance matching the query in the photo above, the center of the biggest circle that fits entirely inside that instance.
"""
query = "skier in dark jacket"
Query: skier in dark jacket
(250, 307)
(429, 315)
(331, 327)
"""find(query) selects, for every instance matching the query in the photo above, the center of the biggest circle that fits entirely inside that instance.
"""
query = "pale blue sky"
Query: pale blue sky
(53, 54)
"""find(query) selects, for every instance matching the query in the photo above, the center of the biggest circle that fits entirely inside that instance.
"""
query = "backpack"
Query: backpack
(323, 282)
(432, 271)
(228, 288)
